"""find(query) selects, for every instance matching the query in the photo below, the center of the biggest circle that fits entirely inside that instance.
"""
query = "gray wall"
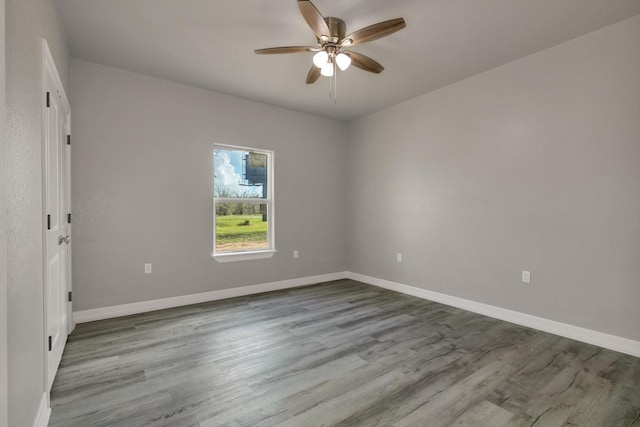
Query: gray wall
(3, 228)
(142, 188)
(27, 21)
(534, 165)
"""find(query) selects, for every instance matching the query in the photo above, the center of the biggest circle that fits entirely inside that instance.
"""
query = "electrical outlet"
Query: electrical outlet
(399, 257)
(526, 276)
(295, 254)
(147, 268)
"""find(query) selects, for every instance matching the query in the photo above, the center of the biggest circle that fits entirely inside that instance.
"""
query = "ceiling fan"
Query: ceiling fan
(332, 43)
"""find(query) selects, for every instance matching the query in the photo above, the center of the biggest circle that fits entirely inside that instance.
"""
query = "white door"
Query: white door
(57, 237)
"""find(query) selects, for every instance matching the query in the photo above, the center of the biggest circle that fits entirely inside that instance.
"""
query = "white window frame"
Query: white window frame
(255, 253)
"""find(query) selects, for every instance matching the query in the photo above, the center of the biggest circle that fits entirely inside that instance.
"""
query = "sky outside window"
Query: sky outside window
(228, 173)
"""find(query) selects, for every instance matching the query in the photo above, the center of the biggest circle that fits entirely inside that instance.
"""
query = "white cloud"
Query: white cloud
(226, 177)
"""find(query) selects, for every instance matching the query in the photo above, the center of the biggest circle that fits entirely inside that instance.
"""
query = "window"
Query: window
(242, 203)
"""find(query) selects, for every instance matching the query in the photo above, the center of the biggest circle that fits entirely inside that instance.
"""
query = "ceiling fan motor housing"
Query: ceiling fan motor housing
(337, 27)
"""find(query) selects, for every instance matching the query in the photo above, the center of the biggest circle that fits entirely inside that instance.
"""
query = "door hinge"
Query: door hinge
(48, 99)
(68, 218)
(50, 343)
(70, 296)
(48, 222)
(68, 139)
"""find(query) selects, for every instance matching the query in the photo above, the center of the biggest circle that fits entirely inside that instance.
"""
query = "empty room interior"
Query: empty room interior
(320, 213)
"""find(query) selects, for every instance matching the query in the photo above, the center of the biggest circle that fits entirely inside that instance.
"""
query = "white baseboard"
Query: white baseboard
(44, 412)
(612, 342)
(161, 304)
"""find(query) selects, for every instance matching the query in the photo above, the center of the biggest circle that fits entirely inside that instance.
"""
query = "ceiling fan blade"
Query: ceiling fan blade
(285, 49)
(314, 19)
(313, 75)
(365, 63)
(374, 32)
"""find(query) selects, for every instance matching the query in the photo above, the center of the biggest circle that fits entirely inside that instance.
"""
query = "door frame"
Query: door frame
(67, 152)
(49, 67)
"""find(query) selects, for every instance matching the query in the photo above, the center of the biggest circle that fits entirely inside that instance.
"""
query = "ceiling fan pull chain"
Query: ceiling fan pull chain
(335, 85)
(331, 95)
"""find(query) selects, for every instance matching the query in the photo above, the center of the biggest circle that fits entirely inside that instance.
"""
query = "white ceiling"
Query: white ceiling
(210, 43)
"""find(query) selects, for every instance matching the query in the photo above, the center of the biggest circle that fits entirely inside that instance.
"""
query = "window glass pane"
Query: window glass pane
(241, 227)
(240, 173)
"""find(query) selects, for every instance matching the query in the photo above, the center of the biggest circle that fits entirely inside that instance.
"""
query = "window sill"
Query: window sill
(243, 256)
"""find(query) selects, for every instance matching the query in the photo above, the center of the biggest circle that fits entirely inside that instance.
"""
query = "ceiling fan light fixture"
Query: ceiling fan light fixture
(327, 69)
(343, 60)
(320, 59)
(331, 38)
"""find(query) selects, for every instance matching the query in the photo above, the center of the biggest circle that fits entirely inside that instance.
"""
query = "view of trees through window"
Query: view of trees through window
(241, 200)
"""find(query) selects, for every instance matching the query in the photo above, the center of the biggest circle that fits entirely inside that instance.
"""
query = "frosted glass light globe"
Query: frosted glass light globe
(320, 59)
(327, 69)
(343, 60)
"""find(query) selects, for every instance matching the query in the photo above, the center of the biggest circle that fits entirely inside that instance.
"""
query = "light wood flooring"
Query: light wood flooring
(336, 354)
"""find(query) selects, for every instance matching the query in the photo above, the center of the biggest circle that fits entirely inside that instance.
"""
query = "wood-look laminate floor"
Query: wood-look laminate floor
(337, 354)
